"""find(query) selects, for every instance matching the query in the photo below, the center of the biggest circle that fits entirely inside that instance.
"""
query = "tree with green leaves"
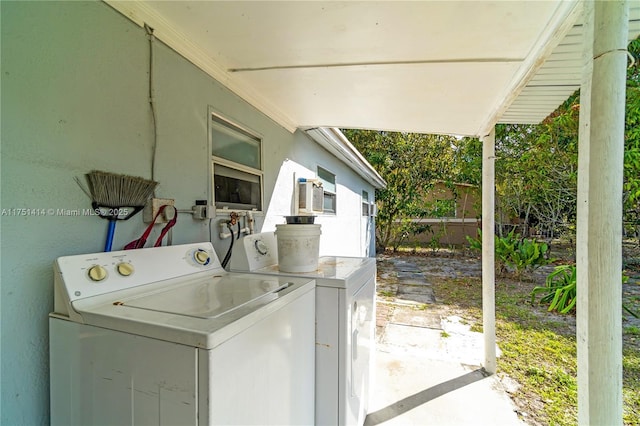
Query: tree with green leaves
(631, 195)
(536, 167)
(536, 172)
(410, 163)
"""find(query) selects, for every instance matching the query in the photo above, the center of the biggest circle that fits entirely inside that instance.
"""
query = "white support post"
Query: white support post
(488, 252)
(599, 226)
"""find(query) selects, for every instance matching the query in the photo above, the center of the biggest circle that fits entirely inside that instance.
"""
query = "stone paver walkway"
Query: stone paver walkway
(428, 362)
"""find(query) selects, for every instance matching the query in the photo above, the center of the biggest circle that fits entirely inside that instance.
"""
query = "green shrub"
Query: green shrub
(519, 254)
(559, 290)
(529, 254)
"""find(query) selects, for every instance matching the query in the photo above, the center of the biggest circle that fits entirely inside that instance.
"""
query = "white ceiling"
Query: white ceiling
(454, 67)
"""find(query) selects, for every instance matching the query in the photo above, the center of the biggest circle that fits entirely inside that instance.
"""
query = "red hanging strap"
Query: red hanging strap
(140, 242)
(166, 228)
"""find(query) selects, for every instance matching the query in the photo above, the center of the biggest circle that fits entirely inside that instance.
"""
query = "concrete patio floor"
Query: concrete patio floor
(427, 361)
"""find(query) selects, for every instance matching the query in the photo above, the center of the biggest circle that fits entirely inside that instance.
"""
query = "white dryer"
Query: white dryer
(345, 325)
(166, 336)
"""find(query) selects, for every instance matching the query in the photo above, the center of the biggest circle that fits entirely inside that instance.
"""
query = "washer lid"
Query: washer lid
(202, 311)
(209, 297)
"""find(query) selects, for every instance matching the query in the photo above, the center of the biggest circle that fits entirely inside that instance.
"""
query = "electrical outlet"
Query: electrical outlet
(152, 207)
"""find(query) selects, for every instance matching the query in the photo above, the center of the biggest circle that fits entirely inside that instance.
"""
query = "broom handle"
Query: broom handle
(110, 233)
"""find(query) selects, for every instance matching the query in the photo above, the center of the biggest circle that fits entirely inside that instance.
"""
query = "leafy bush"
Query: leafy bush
(528, 255)
(475, 243)
(519, 254)
(403, 230)
(559, 289)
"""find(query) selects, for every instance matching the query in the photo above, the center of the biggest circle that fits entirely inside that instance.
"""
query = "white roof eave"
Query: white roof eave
(334, 141)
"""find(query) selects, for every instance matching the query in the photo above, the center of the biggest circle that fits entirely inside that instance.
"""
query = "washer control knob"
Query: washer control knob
(261, 247)
(201, 257)
(97, 273)
(125, 269)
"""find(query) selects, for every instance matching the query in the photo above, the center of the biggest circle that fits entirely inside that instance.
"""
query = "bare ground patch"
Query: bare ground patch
(537, 366)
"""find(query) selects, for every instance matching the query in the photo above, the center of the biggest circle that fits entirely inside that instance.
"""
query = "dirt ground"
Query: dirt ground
(465, 263)
(440, 266)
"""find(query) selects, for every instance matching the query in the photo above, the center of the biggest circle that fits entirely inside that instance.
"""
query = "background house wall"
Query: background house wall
(448, 228)
(74, 99)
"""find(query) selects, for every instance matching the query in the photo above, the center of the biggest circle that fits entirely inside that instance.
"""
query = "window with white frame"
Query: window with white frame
(236, 166)
(366, 204)
(328, 180)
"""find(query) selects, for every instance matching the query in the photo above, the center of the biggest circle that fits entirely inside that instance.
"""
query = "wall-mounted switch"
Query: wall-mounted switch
(202, 212)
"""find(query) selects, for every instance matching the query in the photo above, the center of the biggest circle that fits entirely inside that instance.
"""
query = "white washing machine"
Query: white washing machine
(166, 336)
(345, 325)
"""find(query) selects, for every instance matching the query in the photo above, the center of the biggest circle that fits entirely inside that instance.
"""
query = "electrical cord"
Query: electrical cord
(152, 103)
(227, 257)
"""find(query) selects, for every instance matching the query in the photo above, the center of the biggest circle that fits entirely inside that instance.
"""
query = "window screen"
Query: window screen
(328, 180)
(237, 166)
(234, 144)
(365, 204)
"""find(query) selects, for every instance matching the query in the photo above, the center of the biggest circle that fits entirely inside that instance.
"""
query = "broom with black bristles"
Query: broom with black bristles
(116, 197)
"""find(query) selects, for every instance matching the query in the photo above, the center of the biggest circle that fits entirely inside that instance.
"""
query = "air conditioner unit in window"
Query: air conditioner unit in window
(310, 197)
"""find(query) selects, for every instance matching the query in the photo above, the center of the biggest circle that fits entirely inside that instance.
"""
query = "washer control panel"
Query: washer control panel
(93, 274)
(255, 251)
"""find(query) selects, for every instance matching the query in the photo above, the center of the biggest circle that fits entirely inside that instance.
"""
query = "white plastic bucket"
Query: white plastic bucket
(298, 247)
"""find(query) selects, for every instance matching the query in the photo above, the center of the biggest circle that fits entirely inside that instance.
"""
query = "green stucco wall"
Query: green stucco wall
(74, 88)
